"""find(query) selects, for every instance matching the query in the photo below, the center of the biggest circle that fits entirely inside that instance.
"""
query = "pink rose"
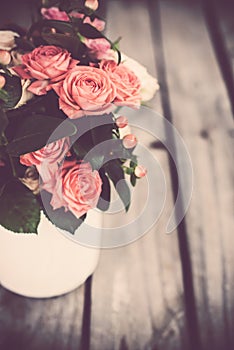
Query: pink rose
(85, 91)
(47, 64)
(127, 84)
(98, 48)
(129, 141)
(78, 188)
(92, 4)
(54, 13)
(47, 160)
(140, 171)
(96, 22)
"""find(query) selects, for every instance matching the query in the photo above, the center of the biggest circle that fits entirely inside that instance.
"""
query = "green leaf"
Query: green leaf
(100, 132)
(4, 95)
(90, 32)
(71, 43)
(128, 171)
(64, 220)
(68, 5)
(133, 179)
(61, 26)
(33, 105)
(35, 132)
(133, 162)
(104, 200)
(3, 121)
(95, 134)
(50, 3)
(116, 174)
(79, 150)
(19, 208)
(14, 91)
(24, 44)
(96, 162)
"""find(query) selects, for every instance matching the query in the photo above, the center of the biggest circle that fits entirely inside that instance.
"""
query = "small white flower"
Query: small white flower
(7, 39)
(149, 85)
(26, 95)
(92, 4)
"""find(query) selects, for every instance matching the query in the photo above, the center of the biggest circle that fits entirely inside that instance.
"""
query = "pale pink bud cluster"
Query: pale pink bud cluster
(121, 122)
(140, 171)
(92, 4)
(5, 57)
(2, 81)
(129, 141)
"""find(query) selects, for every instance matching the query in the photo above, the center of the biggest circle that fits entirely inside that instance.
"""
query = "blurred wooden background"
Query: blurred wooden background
(163, 292)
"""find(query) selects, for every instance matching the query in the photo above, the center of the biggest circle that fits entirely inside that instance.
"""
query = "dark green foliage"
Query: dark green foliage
(13, 89)
(35, 132)
(19, 208)
(64, 220)
(116, 174)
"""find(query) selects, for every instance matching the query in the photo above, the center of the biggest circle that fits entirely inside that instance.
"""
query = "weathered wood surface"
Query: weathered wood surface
(144, 295)
(219, 17)
(201, 112)
(54, 323)
(139, 302)
(226, 23)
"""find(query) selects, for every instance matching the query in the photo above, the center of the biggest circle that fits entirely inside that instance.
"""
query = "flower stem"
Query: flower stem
(12, 166)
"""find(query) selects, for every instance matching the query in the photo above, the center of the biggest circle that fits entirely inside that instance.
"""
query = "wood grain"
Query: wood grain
(224, 15)
(36, 324)
(220, 25)
(139, 296)
(137, 290)
(201, 112)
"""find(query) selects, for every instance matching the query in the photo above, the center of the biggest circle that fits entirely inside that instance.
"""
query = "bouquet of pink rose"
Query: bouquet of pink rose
(60, 144)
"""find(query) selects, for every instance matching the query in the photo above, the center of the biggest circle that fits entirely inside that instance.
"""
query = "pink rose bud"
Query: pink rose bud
(92, 4)
(129, 141)
(2, 81)
(121, 121)
(98, 48)
(5, 57)
(54, 13)
(140, 171)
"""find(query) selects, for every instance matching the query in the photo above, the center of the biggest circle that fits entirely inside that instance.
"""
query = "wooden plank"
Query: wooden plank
(201, 113)
(137, 297)
(36, 324)
(136, 39)
(219, 21)
(137, 289)
(224, 18)
(224, 12)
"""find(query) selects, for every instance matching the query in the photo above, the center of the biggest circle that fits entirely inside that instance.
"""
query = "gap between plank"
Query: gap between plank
(189, 296)
(217, 40)
(86, 319)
